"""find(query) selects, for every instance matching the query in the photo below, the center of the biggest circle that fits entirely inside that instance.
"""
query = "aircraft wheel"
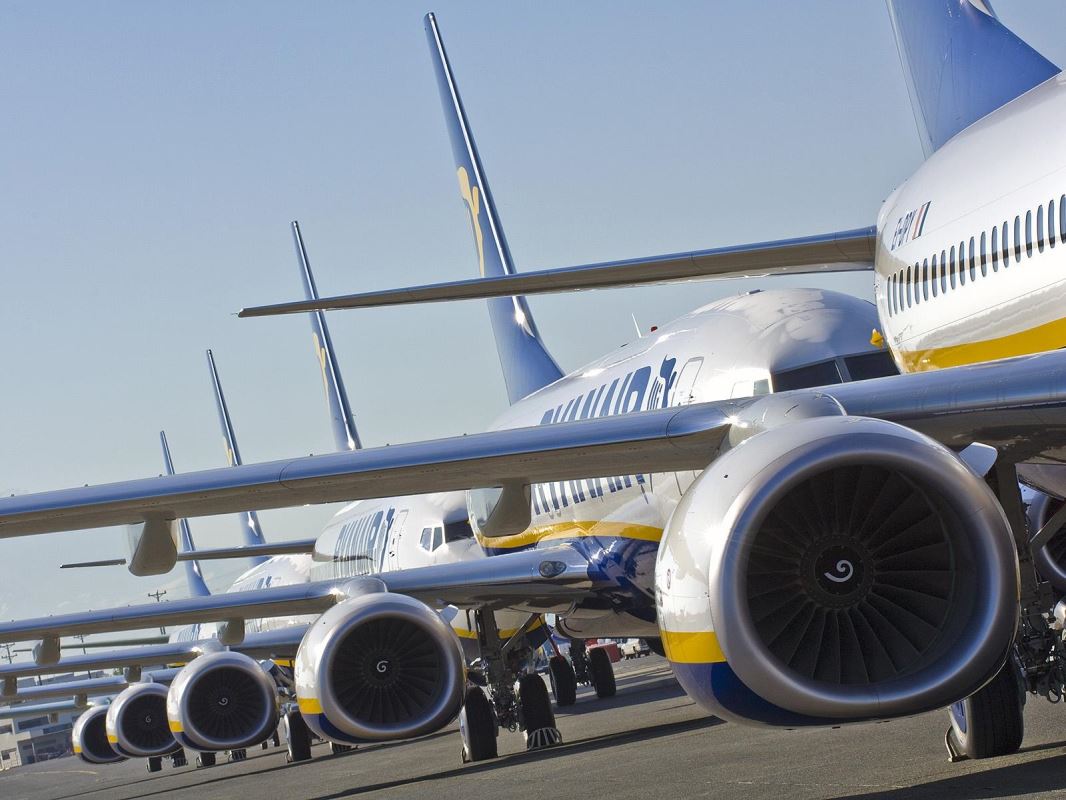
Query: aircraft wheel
(477, 726)
(299, 737)
(179, 759)
(238, 755)
(336, 749)
(205, 760)
(155, 764)
(602, 671)
(563, 680)
(276, 739)
(538, 719)
(989, 722)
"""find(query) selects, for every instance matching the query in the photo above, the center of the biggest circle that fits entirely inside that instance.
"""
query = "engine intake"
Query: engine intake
(377, 667)
(222, 701)
(836, 569)
(89, 738)
(1050, 559)
(137, 722)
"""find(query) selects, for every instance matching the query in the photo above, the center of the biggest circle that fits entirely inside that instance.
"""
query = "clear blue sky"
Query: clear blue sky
(153, 155)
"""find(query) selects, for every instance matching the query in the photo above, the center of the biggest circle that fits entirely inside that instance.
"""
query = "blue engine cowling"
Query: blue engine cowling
(833, 570)
(136, 722)
(222, 701)
(377, 667)
(89, 738)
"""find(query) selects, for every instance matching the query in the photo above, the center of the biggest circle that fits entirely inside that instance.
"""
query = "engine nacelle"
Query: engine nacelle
(832, 570)
(89, 738)
(222, 701)
(377, 667)
(137, 722)
(1050, 560)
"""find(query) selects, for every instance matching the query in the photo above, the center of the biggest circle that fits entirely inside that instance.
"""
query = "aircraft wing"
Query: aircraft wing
(41, 709)
(216, 553)
(843, 251)
(280, 643)
(534, 580)
(88, 687)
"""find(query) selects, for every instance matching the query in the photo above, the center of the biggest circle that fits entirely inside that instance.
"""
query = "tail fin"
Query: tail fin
(194, 576)
(251, 531)
(527, 364)
(961, 63)
(341, 418)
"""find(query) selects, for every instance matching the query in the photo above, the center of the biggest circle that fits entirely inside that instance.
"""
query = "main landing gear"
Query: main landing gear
(563, 681)
(593, 667)
(988, 723)
(298, 737)
(519, 699)
(205, 760)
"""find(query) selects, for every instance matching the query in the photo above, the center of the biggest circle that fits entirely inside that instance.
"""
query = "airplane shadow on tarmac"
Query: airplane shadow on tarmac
(1013, 780)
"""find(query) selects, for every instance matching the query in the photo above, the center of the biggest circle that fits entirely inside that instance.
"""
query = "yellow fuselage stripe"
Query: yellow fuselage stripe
(700, 647)
(574, 530)
(1049, 336)
(507, 633)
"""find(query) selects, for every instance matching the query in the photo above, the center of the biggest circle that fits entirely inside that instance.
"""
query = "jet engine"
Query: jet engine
(379, 666)
(1050, 560)
(836, 569)
(136, 722)
(222, 701)
(89, 738)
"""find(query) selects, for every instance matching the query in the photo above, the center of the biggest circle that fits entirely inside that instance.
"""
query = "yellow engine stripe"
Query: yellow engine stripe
(700, 647)
(1049, 336)
(175, 727)
(309, 705)
(112, 739)
(574, 530)
(77, 750)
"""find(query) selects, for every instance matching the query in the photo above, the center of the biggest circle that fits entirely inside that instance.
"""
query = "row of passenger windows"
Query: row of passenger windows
(1002, 246)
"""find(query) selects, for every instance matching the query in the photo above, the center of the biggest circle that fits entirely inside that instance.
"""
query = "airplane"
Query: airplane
(840, 545)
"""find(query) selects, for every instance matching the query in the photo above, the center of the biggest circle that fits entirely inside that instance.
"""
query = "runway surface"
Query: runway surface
(649, 741)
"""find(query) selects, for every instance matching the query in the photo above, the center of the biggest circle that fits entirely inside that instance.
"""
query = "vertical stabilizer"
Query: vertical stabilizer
(251, 531)
(961, 63)
(527, 364)
(194, 576)
(342, 421)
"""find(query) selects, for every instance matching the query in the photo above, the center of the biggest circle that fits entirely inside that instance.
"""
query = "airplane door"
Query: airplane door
(395, 533)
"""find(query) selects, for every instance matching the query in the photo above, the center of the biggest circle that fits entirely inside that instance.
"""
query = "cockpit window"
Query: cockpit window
(456, 531)
(871, 365)
(822, 374)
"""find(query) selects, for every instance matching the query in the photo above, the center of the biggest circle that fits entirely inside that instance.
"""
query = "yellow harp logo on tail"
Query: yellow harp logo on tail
(472, 198)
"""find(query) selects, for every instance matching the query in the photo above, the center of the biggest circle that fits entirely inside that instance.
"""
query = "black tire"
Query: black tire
(276, 739)
(477, 726)
(238, 755)
(602, 671)
(298, 736)
(179, 759)
(205, 760)
(564, 681)
(336, 748)
(990, 723)
(534, 703)
(155, 763)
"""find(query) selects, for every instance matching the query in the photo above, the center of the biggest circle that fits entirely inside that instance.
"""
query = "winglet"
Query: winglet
(342, 421)
(251, 531)
(527, 364)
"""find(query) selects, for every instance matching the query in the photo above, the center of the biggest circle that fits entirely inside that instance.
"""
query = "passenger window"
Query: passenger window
(899, 284)
(438, 537)
(1040, 228)
(1051, 223)
(973, 260)
(943, 272)
(1062, 218)
(426, 540)
(952, 268)
(1028, 235)
(1005, 244)
(908, 286)
(925, 279)
(995, 249)
(984, 255)
(935, 274)
(1017, 239)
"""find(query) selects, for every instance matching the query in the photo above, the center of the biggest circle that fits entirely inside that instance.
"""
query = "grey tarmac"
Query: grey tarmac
(650, 741)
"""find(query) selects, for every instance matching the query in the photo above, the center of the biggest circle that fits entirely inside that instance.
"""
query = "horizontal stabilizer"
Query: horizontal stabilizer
(217, 553)
(845, 251)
